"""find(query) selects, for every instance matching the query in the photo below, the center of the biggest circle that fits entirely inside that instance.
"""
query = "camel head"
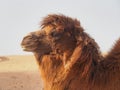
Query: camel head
(57, 35)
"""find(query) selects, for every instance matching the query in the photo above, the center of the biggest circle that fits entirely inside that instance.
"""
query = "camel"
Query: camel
(70, 59)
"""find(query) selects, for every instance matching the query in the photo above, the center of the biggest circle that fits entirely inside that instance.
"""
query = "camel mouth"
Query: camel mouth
(27, 48)
(24, 48)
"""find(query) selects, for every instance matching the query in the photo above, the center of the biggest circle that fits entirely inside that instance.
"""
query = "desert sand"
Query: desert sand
(19, 72)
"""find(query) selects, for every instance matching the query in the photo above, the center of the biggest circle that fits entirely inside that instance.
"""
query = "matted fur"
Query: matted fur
(69, 59)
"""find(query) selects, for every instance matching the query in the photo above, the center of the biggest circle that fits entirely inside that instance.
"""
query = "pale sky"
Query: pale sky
(100, 18)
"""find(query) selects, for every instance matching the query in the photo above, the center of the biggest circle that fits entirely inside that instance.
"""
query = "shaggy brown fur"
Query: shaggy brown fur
(69, 59)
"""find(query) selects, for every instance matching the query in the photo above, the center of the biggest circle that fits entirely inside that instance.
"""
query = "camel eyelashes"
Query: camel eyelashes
(54, 34)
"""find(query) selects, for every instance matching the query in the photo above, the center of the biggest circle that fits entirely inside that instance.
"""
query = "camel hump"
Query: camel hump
(114, 53)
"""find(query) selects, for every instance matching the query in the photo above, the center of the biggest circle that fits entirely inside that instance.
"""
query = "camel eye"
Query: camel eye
(54, 34)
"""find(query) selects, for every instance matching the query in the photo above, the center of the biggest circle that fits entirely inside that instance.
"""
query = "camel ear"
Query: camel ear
(82, 38)
(78, 33)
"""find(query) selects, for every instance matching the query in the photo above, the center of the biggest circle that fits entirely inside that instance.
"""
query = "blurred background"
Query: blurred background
(100, 18)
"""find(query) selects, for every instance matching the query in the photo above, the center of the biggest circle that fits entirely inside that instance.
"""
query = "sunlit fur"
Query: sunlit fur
(71, 59)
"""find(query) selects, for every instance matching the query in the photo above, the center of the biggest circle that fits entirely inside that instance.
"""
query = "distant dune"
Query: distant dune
(19, 72)
(3, 58)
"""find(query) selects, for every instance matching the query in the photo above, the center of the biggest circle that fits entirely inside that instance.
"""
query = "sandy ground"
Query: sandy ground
(19, 72)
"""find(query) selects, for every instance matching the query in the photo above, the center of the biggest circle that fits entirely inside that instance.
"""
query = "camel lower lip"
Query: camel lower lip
(28, 50)
(24, 48)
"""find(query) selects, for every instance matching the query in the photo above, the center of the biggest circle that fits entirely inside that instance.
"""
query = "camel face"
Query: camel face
(49, 39)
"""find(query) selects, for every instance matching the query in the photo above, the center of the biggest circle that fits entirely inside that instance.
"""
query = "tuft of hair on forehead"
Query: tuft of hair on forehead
(61, 20)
